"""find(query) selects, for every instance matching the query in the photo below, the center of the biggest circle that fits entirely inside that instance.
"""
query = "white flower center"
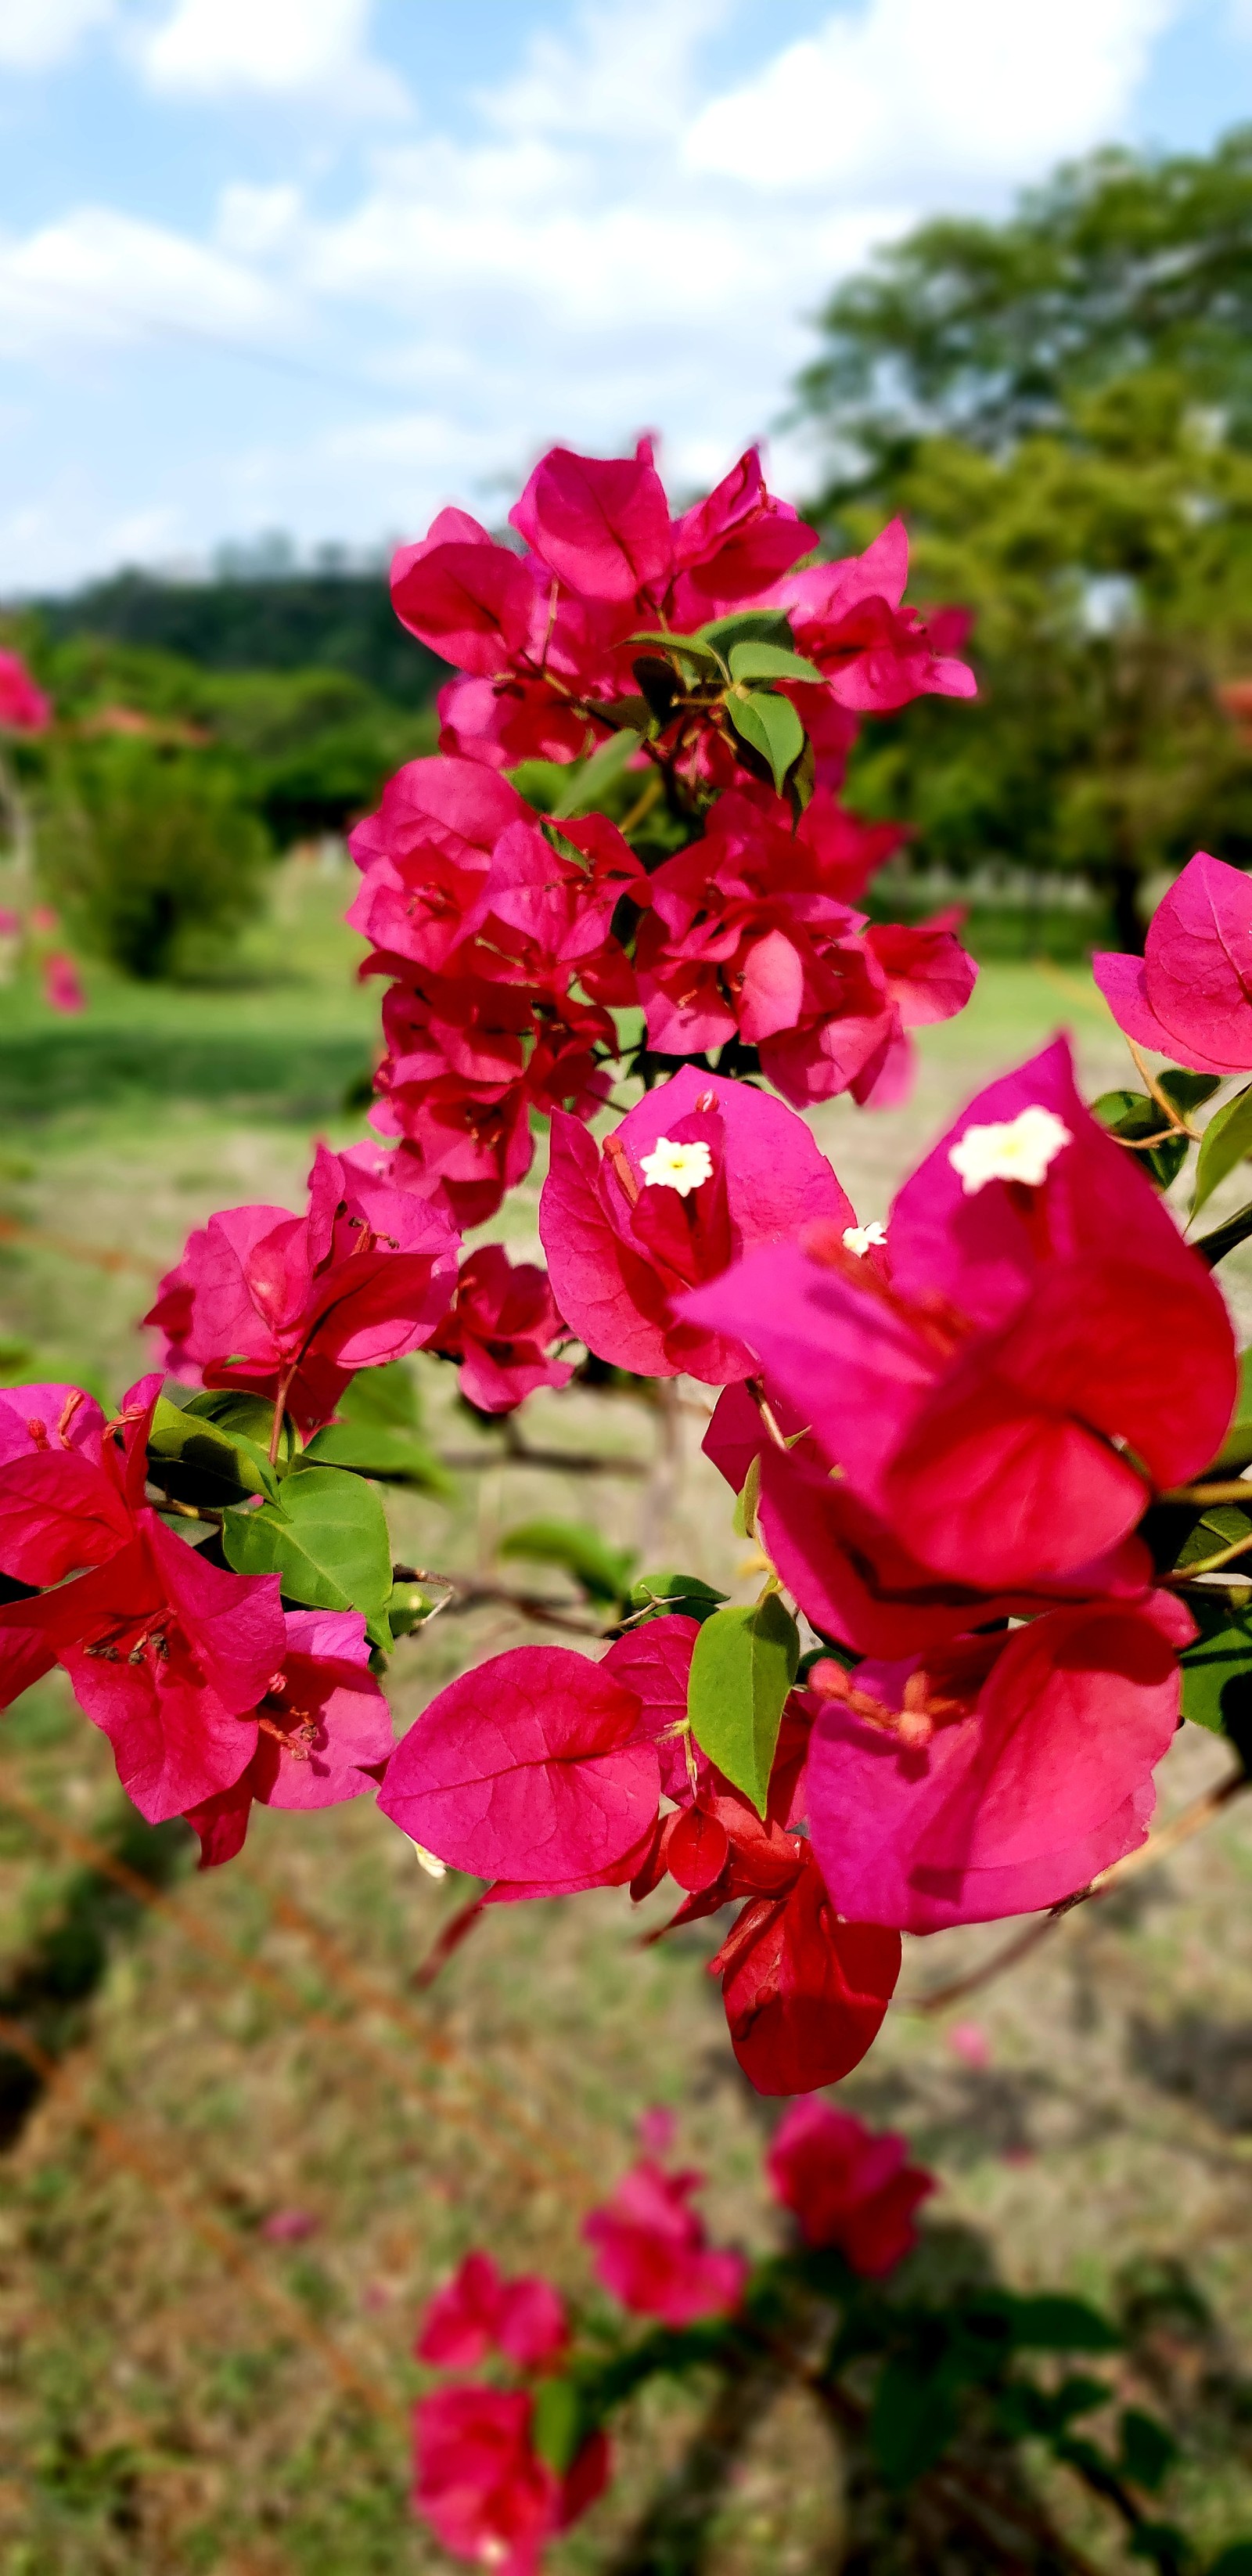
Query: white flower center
(434, 1867)
(1019, 1149)
(677, 1167)
(860, 1238)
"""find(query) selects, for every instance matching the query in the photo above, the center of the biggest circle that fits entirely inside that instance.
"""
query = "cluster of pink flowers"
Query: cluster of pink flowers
(950, 1431)
(23, 705)
(954, 1425)
(510, 937)
(483, 2479)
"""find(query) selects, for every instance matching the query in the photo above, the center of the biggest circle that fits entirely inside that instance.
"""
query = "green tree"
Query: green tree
(150, 851)
(1061, 409)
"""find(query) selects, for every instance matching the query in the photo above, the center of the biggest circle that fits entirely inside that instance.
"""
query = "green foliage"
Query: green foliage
(769, 723)
(250, 620)
(743, 1666)
(603, 1572)
(152, 853)
(1134, 1116)
(1061, 408)
(661, 1596)
(990, 329)
(1227, 1140)
(1217, 1668)
(1236, 1448)
(214, 1448)
(326, 1538)
(379, 1432)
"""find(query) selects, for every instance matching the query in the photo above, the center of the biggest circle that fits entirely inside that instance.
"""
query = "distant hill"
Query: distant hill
(338, 621)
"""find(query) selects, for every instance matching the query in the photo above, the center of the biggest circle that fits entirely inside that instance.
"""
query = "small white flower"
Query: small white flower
(434, 1867)
(1018, 1149)
(859, 1238)
(677, 1167)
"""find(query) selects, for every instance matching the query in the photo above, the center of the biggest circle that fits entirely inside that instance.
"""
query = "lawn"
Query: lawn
(187, 2386)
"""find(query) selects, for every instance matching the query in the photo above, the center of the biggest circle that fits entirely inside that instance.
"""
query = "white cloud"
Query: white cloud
(948, 90)
(99, 277)
(619, 71)
(35, 35)
(216, 48)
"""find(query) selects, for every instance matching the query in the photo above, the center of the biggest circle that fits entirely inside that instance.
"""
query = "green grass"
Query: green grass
(162, 2413)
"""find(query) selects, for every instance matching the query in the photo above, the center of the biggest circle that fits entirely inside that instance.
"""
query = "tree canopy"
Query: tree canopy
(1061, 407)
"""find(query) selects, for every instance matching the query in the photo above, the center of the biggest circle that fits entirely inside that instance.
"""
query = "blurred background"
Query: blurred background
(279, 278)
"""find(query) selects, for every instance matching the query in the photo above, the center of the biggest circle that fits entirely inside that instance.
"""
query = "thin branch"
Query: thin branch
(754, 1388)
(1180, 1125)
(571, 1462)
(468, 1592)
(1232, 1489)
(1167, 1839)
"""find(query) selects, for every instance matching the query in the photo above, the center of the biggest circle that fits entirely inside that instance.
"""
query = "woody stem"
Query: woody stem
(754, 1388)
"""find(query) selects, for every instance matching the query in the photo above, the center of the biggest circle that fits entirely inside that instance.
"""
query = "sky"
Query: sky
(324, 265)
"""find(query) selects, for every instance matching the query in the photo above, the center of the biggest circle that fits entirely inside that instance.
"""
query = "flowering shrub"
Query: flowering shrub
(500, 2469)
(999, 1536)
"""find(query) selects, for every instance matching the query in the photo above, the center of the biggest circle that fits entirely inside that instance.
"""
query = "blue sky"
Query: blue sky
(325, 264)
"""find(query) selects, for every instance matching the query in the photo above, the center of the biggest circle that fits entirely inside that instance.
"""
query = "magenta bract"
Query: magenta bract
(534, 1767)
(1190, 994)
(500, 1327)
(622, 1247)
(999, 1402)
(324, 1732)
(847, 2185)
(651, 2250)
(479, 2311)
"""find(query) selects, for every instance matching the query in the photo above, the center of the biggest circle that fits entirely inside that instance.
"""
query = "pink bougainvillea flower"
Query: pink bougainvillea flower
(651, 2250)
(534, 1768)
(998, 1402)
(847, 2185)
(998, 1774)
(701, 1172)
(547, 915)
(481, 2484)
(1190, 995)
(748, 938)
(170, 1657)
(875, 655)
(288, 2226)
(501, 1326)
(804, 1993)
(462, 1145)
(425, 856)
(23, 707)
(62, 987)
(266, 1300)
(479, 2311)
(324, 1732)
(545, 639)
(63, 1504)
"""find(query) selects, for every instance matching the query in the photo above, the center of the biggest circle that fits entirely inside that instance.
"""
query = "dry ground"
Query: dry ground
(180, 2391)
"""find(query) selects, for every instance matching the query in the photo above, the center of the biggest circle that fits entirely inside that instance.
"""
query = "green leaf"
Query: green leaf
(747, 625)
(1214, 1247)
(747, 1502)
(1053, 2323)
(1236, 1448)
(1235, 2561)
(326, 1539)
(752, 661)
(912, 2420)
(1132, 1115)
(744, 1664)
(604, 1572)
(772, 727)
(1227, 1139)
(1219, 1525)
(1217, 1668)
(660, 1596)
(408, 1607)
(587, 784)
(379, 1432)
(1188, 1091)
(694, 650)
(1148, 2451)
(202, 1460)
(557, 2425)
